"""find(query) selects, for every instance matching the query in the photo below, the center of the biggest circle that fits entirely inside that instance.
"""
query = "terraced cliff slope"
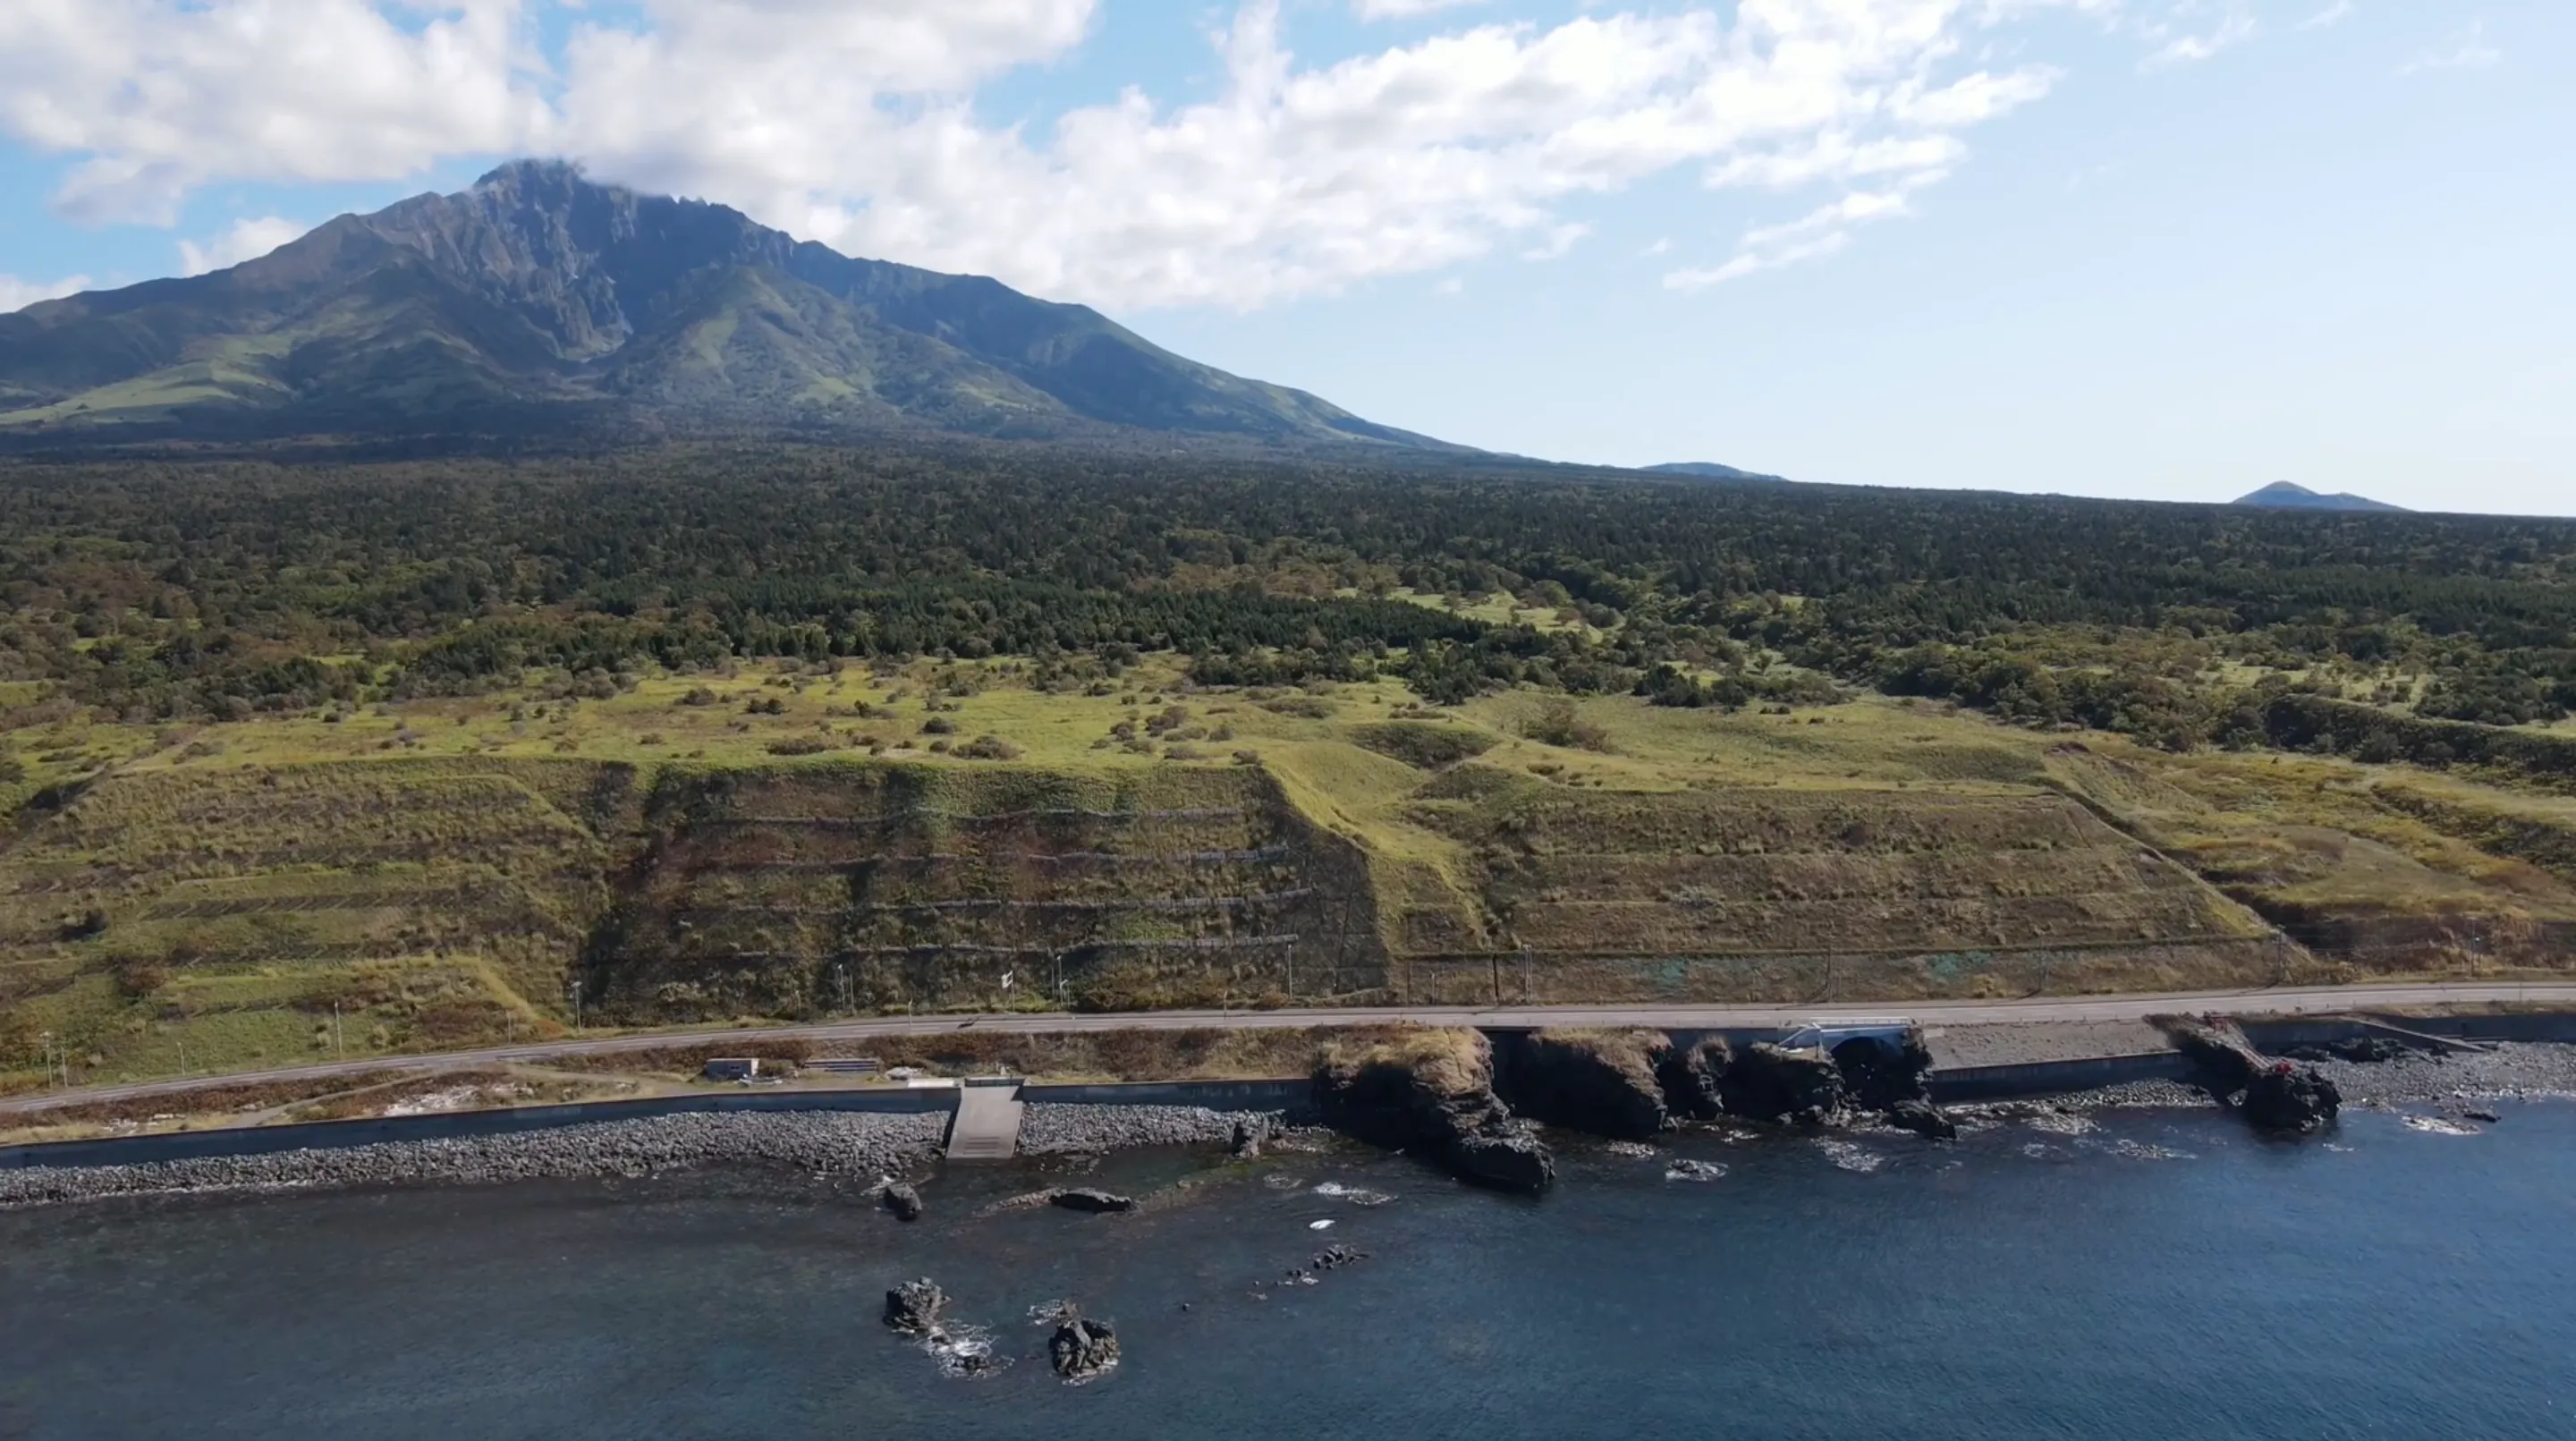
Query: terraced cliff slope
(451, 871)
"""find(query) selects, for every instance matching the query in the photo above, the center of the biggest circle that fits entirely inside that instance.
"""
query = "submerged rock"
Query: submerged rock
(1083, 1198)
(1082, 1348)
(904, 1201)
(1923, 1119)
(1686, 1169)
(914, 1307)
(1248, 1137)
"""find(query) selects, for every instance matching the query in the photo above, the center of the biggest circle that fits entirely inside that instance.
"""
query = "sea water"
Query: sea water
(2159, 1275)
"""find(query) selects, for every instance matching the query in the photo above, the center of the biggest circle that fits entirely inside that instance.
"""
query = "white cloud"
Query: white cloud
(1560, 241)
(2331, 15)
(2185, 49)
(165, 95)
(1823, 231)
(246, 240)
(852, 121)
(2467, 50)
(1401, 9)
(17, 295)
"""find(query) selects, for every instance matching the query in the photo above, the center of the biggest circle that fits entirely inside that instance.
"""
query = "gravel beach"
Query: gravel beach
(1047, 1130)
(2511, 1071)
(844, 1144)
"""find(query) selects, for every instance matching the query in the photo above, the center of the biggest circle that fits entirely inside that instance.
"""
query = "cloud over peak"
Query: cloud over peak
(852, 122)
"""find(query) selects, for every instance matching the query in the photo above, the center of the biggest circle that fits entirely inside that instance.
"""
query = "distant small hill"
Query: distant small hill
(1710, 470)
(2282, 495)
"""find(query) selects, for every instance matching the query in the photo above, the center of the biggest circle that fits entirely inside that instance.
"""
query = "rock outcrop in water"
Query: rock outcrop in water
(1923, 1119)
(1084, 1198)
(903, 1201)
(1431, 1091)
(2271, 1094)
(914, 1307)
(1082, 1348)
(1603, 1082)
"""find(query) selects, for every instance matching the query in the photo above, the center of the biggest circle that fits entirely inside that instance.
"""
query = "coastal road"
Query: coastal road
(2288, 1000)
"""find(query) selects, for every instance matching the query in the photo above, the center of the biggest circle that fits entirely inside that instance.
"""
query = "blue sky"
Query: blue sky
(2171, 249)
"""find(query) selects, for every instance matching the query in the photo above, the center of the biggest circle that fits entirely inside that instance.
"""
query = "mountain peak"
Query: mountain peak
(1709, 470)
(557, 171)
(557, 301)
(2283, 495)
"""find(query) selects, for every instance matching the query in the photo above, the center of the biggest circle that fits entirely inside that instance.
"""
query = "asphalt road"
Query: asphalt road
(2285, 1000)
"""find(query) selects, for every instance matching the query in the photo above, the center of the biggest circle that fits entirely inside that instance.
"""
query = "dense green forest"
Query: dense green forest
(166, 590)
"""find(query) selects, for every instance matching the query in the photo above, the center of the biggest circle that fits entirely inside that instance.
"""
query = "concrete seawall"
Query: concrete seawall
(1292, 1093)
(2050, 1078)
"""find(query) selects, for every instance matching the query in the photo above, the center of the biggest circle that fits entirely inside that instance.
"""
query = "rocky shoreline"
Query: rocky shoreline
(1467, 1128)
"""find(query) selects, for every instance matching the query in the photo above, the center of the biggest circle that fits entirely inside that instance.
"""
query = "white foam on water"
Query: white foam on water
(1353, 1194)
(1850, 1157)
(2436, 1125)
(1323, 1225)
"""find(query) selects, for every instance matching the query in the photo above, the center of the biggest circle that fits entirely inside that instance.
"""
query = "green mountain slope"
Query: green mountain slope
(539, 299)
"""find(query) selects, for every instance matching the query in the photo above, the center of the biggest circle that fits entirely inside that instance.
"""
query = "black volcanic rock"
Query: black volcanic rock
(1601, 1081)
(1765, 1082)
(1431, 1091)
(914, 1307)
(542, 301)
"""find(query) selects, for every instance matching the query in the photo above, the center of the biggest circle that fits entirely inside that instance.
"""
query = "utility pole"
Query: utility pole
(339, 1034)
(576, 1003)
(45, 1054)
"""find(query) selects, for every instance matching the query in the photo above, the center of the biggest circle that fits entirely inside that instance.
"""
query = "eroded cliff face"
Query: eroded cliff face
(807, 891)
(1601, 1081)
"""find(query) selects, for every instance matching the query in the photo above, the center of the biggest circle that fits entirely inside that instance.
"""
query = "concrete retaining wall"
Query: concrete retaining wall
(2307, 1031)
(2046, 1078)
(1285, 1094)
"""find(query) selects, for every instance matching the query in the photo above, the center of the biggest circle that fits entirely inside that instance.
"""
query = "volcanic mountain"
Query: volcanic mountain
(2282, 495)
(541, 301)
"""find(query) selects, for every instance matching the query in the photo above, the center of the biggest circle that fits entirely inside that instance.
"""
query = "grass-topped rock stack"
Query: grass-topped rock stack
(1431, 1091)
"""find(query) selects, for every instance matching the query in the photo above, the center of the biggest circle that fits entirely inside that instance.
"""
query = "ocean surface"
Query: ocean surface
(2165, 1275)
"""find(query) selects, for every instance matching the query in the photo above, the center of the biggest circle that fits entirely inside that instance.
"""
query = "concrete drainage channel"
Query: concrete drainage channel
(986, 1126)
